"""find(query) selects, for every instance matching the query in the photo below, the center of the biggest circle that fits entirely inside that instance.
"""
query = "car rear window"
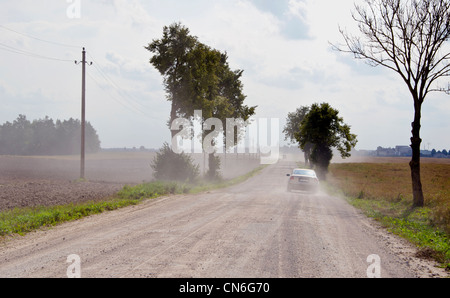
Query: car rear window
(305, 173)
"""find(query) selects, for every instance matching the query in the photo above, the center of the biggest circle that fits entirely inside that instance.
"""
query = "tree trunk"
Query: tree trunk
(213, 167)
(173, 116)
(418, 199)
(306, 155)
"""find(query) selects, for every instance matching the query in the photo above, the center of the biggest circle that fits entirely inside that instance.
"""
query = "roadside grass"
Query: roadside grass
(24, 220)
(20, 221)
(383, 191)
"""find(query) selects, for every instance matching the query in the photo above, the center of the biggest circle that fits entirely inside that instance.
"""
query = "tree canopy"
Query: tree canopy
(293, 123)
(324, 129)
(198, 77)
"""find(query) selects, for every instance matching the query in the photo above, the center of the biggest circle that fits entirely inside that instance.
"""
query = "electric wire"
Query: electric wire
(128, 107)
(132, 104)
(131, 101)
(11, 49)
(115, 85)
(40, 39)
(15, 50)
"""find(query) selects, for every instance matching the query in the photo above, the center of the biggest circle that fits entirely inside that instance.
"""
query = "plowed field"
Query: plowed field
(44, 181)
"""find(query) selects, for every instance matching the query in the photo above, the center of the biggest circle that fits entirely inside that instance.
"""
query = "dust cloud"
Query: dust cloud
(116, 167)
(30, 181)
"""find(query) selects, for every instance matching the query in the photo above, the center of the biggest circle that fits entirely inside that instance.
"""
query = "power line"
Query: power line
(116, 86)
(29, 54)
(130, 108)
(40, 39)
(128, 101)
(133, 102)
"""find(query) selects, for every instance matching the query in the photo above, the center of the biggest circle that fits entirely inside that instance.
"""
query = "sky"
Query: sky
(283, 47)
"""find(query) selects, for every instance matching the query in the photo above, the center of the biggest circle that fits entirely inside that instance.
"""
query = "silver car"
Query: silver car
(303, 179)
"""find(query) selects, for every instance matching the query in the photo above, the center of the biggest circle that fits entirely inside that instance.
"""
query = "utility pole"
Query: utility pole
(83, 111)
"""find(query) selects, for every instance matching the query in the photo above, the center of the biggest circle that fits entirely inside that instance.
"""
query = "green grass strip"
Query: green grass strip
(24, 220)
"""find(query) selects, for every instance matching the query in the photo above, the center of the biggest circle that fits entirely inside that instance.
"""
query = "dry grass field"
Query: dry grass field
(389, 179)
(382, 188)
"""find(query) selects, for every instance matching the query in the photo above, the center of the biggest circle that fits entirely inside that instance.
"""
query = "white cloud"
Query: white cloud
(299, 9)
(282, 46)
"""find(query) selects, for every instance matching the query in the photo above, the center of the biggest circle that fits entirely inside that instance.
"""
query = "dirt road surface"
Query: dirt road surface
(255, 229)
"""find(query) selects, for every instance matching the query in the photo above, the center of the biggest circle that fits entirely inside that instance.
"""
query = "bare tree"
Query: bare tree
(408, 37)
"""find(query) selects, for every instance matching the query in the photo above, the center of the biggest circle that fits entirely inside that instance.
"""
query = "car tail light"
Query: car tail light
(292, 178)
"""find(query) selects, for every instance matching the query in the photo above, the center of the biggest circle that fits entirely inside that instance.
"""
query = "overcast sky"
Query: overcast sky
(282, 46)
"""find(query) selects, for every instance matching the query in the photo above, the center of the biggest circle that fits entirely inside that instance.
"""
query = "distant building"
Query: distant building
(385, 151)
(403, 150)
(400, 151)
(363, 152)
(397, 151)
(425, 153)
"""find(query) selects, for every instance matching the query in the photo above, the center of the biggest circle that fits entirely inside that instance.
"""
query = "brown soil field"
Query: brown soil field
(50, 192)
(42, 181)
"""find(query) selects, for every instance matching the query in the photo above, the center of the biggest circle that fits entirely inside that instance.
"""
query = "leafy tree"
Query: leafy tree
(213, 169)
(15, 137)
(21, 134)
(323, 128)
(171, 58)
(197, 77)
(92, 139)
(407, 37)
(170, 166)
(293, 123)
(42, 139)
(68, 133)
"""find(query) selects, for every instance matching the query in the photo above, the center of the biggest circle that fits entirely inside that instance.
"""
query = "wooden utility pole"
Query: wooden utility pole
(83, 112)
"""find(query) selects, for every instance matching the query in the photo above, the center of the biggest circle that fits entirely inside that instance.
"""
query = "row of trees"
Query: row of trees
(45, 137)
(317, 130)
(198, 77)
(443, 152)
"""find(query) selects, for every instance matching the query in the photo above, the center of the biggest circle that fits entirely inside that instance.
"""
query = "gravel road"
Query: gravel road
(255, 229)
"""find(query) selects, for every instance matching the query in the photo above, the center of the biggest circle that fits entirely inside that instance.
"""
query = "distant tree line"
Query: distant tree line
(46, 137)
(443, 153)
